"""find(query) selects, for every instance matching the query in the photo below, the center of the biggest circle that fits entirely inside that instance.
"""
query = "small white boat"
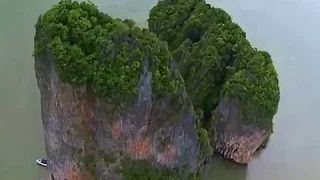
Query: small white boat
(42, 162)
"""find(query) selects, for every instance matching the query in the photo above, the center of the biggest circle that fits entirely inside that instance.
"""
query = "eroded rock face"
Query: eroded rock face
(84, 140)
(234, 140)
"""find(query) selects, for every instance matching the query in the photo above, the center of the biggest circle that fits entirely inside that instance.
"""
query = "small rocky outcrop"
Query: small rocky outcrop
(234, 140)
(121, 102)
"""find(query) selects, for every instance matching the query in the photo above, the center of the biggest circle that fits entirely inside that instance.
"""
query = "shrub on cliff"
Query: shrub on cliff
(216, 60)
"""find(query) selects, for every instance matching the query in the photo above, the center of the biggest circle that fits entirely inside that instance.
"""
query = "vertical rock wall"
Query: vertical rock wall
(85, 140)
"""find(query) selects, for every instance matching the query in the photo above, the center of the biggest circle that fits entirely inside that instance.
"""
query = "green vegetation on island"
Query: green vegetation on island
(211, 52)
(91, 47)
(216, 60)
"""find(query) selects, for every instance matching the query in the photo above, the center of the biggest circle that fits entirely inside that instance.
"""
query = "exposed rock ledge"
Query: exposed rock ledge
(235, 141)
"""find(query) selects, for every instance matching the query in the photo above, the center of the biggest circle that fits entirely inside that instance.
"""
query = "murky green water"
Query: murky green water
(289, 30)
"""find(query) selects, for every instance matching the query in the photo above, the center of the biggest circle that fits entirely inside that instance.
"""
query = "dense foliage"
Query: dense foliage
(216, 60)
(91, 47)
(212, 54)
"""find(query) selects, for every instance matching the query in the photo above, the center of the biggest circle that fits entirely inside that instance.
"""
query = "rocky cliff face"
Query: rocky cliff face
(113, 104)
(84, 140)
(234, 140)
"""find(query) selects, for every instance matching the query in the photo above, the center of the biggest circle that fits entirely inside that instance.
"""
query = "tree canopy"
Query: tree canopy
(91, 47)
(212, 52)
(216, 60)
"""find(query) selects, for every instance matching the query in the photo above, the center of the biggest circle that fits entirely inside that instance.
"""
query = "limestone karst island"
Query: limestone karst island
(121, 102)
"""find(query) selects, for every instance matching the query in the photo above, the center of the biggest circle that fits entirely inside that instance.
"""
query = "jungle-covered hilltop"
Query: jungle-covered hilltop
(123, 102)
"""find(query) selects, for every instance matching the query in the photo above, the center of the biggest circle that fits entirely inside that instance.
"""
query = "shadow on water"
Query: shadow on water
(221, 169)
